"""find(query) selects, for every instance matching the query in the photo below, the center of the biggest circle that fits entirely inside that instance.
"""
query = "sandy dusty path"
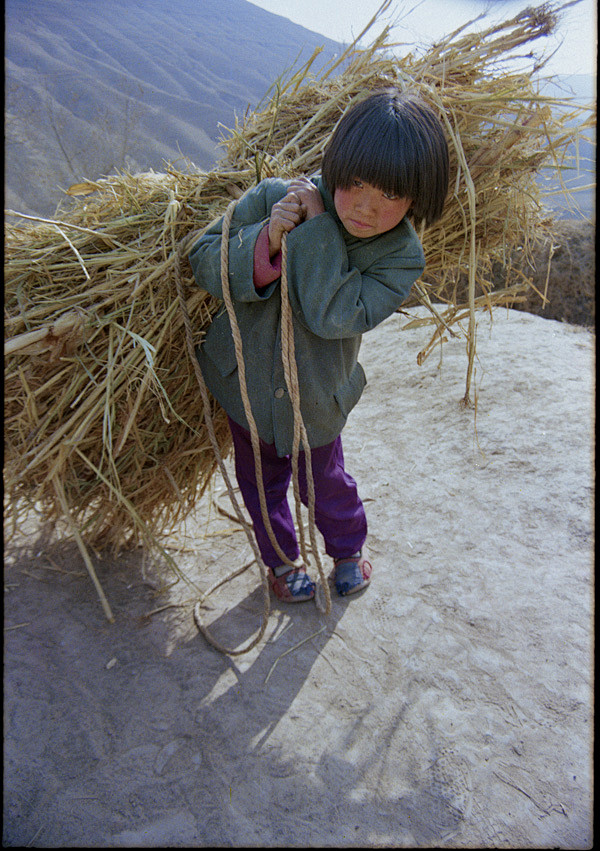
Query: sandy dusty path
(450, 704)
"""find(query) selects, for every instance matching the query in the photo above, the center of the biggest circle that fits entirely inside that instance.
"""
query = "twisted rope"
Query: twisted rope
(182, 250)
(290, 369)
(300, 435)
(239, 355)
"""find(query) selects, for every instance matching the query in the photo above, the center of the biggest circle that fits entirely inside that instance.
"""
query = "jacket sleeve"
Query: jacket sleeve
(250, 215)
(334, 298)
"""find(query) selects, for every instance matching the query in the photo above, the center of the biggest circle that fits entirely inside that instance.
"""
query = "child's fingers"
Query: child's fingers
(291, 201)
(286, 224)
(287, 217)
(300, 183)
(289, 209)
(308, 195)
(302, 186)
(295, 197)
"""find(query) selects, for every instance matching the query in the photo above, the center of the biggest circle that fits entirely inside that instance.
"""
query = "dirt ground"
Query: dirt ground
(448, 705)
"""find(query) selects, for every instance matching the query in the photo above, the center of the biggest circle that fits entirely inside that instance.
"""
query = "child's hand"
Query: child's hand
(285, 215)
(303, 201)
(309, 196)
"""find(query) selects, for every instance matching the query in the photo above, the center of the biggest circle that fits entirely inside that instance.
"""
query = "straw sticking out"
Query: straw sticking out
(103, 418)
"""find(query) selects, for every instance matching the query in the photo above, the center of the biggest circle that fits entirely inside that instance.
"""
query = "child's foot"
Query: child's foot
(292, 585)
(351, 574)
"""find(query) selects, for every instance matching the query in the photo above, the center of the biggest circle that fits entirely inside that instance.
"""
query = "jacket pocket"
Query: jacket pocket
(218, 346)
(349, 393)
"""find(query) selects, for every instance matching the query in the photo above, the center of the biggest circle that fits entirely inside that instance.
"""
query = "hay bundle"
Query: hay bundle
(101, 408)
(501, 133)
(103, 419)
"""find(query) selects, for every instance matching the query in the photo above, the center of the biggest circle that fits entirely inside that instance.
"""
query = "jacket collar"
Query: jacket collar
(327, 197)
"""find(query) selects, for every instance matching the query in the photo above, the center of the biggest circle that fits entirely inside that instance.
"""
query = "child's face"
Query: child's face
(367, 211)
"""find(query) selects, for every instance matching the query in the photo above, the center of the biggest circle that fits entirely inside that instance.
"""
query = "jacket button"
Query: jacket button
(279, 393)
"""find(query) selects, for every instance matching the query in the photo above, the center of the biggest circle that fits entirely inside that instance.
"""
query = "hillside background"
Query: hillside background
(94, 86)
(91, 87)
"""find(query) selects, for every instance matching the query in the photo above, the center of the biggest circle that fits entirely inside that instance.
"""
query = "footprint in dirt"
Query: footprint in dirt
(443, 796)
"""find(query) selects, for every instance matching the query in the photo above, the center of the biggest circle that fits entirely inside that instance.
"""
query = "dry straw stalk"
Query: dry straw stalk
(103, 419)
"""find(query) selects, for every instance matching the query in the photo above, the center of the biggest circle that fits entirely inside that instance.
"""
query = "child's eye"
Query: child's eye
(390, 196)
(358, 183)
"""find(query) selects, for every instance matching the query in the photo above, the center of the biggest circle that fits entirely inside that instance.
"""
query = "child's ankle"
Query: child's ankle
(281, 569)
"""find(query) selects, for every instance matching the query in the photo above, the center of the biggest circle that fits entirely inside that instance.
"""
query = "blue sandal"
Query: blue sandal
(293, 586)
(351, 574)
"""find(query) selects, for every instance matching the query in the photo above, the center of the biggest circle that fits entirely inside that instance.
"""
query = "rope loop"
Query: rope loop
(300, 435)
(182, 251)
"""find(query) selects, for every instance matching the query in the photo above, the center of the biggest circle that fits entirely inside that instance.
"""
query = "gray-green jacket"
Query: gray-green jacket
(339, 287)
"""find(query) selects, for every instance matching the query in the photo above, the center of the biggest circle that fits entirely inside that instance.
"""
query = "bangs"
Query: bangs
(384, 160)
(393, 141)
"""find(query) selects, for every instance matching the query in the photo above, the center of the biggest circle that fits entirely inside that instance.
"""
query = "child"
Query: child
(352, 257)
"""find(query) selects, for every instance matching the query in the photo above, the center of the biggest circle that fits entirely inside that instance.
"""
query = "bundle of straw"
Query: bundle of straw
(102, 411)
(501, 133)
(103, 420)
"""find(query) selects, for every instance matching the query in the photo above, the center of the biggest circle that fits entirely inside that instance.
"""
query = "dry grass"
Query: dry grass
(100, 394)
(103, 419)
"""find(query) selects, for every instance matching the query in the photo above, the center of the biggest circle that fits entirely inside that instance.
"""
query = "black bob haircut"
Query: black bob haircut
(395, 141)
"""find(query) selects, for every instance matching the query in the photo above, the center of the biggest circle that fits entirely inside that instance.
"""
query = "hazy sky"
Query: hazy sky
(424, 21)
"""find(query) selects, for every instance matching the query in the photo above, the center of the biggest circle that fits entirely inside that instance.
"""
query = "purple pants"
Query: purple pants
(339, 513)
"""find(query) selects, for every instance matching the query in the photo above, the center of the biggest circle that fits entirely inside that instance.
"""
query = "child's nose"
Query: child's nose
(366, 201)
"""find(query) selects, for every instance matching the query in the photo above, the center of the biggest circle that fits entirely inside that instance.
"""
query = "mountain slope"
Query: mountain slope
(92, 87)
